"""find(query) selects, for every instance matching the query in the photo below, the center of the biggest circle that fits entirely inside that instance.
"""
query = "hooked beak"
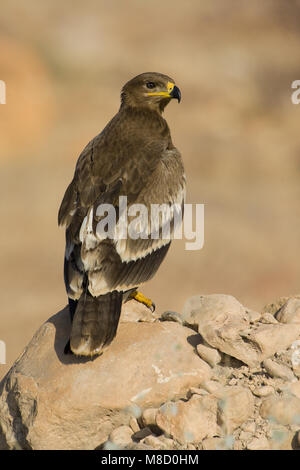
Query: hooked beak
(175, 93)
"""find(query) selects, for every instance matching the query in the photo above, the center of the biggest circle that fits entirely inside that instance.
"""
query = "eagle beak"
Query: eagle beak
(175, 93)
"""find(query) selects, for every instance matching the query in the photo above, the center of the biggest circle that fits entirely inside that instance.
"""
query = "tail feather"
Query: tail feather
(95, 323)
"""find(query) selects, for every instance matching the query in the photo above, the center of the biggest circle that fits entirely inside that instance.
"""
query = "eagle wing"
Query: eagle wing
(146, 174)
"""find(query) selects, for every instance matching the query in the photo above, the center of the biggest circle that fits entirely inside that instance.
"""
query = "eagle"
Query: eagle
(134, 158)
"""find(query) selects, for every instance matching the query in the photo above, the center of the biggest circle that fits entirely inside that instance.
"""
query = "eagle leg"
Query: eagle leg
(139, 297)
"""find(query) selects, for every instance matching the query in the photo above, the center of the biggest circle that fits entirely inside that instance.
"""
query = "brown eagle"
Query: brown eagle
(133, 157)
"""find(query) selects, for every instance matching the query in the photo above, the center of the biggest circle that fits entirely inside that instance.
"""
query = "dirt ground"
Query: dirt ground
(237, 128)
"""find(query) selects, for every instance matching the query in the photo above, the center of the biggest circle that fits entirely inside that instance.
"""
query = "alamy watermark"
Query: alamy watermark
(138, 221)
(2, 352)
(295, 97)
(2, 92)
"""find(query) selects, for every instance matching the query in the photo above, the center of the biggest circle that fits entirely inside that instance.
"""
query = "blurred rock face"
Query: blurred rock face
(236, 127)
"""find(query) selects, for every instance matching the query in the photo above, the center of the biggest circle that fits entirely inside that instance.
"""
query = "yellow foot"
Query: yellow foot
(139, 297)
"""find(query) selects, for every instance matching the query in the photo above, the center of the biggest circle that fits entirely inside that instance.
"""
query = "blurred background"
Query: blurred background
(64, 64)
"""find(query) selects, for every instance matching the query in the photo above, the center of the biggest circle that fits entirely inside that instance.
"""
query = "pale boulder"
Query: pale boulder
(50, 400)
(189, 421)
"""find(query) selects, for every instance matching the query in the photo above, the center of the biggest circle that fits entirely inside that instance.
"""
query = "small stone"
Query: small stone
(282, 410)
(213, 387)
(189, 421)
(171, 316)
(252, 315)
(196, 391)
(211, 443)
(141, 434)
(259, 443)
(154, 442)
(149, 417)
(134, 424)
(263, 391)
(208, 354)
(295, 388)
(249, 427)
(121, 436)
(289, 312)
(278, 370)
(236, 407)
(268, 318)
(245, 436)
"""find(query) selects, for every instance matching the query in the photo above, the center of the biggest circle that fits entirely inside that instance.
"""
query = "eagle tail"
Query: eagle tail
(95, 323)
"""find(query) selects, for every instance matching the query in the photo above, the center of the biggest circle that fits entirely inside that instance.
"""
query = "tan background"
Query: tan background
(234, 61)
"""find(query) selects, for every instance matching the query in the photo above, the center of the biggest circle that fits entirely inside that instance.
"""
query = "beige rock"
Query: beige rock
(133, 423)
(50, 400)
(245, 436)
(268, 318)
(289, 312)
(216, 307)
(214, 387)
(278, 370)
(236, 407)
(252, 316)
(295, 388)
(224, 324)
(121, 436)
(263, 391)
(156, 443)
(189, 421)
(268, 339)
(149, 416)
(133, 311)
(281, 438)
(281, 410)
(212, 443)
(209, 355)
(259, 443)
(249, 426)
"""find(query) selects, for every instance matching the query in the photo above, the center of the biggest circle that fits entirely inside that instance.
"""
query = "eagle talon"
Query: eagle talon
(139, 297)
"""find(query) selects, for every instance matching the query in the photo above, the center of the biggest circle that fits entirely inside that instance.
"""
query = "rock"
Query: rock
(214, 387)
(134, 424)
(252, 316)
(224, 324)
(295, 388)
(209, 355)
(205, 308)
(50, 400)
(245, 436)
(171, 316)
(268, 318)
(149, 416)
(121, 436)
(281, 438)
(249, 426)
(259, 443)
(236, 407)
(289, 312)
(263, 391)
(133, 311)
(212, 443)
(141, 434)
(282, 410)
(189, 421)
(295, 357)
(156, 443)
(278, 370)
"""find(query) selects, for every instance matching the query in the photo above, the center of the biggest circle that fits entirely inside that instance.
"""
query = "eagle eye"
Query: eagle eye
(150, 85)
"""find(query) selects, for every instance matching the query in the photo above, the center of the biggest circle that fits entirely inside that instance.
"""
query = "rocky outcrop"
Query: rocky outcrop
(217, 376)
